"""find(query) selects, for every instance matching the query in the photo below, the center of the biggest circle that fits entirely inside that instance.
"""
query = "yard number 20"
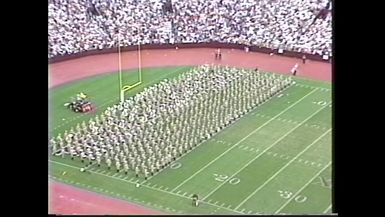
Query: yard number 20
(223, 178)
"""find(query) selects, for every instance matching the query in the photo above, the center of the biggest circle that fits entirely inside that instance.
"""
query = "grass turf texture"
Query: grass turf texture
(275, 159)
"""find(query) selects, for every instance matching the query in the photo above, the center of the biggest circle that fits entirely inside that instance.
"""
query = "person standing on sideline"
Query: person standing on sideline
(304, 59)
(294, 69)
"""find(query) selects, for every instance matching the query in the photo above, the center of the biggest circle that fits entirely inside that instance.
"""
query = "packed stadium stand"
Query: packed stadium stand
(295, 25)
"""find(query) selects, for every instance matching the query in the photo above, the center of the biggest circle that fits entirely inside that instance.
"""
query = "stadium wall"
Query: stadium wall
(259, 49)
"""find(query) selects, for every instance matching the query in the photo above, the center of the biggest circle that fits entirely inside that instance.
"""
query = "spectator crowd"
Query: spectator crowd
(298, 25)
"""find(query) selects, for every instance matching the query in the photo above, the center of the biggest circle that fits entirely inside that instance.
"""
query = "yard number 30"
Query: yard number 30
(288, 194)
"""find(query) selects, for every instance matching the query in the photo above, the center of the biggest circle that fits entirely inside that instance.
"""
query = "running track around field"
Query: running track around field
(68, 200)
(65, 199)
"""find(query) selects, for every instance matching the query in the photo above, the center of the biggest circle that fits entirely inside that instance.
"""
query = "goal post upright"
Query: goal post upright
(121, 92)
(140, 63)
(124, 88)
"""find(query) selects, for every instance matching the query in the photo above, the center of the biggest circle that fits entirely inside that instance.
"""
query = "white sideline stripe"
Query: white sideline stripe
(327, 209)
(248, 163)
(303, 187)
(244, 138)
(155, 189)
(284, 167)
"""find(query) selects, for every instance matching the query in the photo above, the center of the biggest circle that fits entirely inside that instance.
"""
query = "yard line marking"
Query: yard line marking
(184, 194)
(216, 202)
(280, 170)
(244, 138)
(131, 179)
(327, 209)
(223, 204)
(249, 212)
(282, 137)
(228, 206)
(178, 192)
(209, 201)
(303, 187)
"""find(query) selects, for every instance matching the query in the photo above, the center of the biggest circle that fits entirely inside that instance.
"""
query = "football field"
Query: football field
(275, 159)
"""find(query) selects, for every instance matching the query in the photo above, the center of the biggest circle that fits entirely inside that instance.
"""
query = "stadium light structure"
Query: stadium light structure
(123, 89)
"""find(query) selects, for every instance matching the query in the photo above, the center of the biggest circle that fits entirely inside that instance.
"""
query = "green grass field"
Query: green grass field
(275, 159)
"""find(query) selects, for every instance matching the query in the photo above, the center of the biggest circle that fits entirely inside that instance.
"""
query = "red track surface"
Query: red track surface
(70, 70)
(66, 199)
